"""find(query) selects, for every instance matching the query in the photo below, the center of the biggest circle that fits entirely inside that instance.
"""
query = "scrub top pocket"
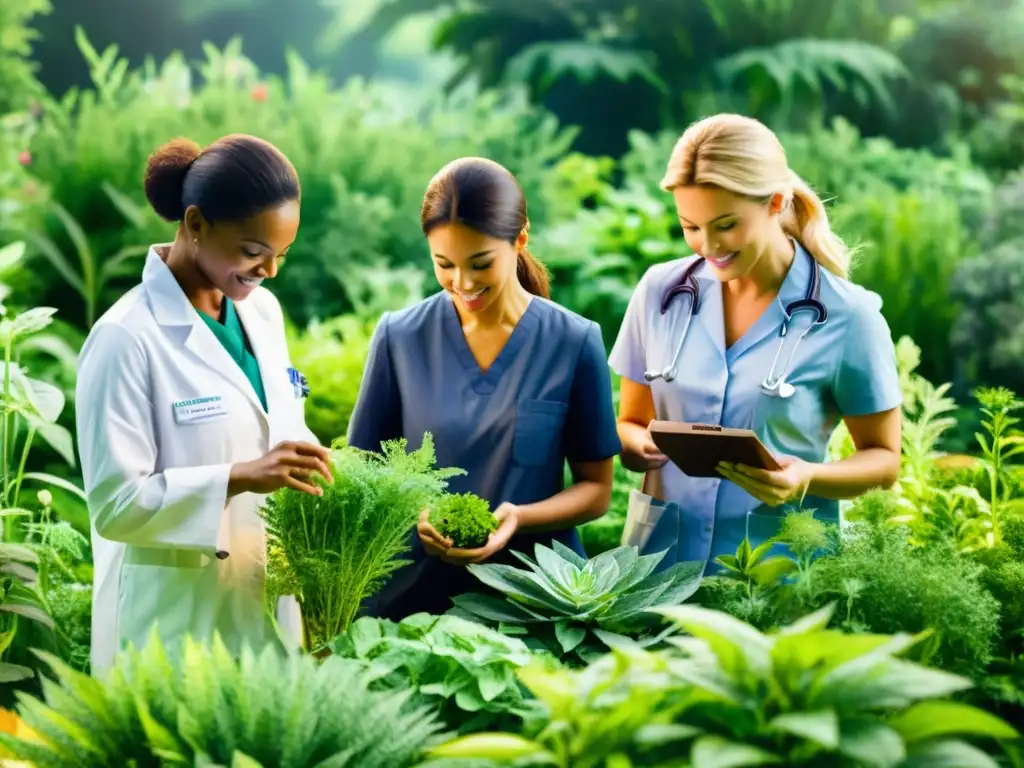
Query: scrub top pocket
(537, 440)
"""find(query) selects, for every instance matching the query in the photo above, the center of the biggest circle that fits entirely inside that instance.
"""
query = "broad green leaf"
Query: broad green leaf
(11, 256)
(888, 683)
(932, 719)
(772, 570)
(19, 552)
(870, 742)
(526, 588)
(568, 554)
(821, 727)
(12, 673)
(33, 320)
(493, 746)
(948, 754)
(33, 612)
(554, 567)
(662, 734)
(56, 482)
(555, 687)
(716, 752)
(729, 638)
(242, 760)
(57, 437)
(569, 637)
(493, 609)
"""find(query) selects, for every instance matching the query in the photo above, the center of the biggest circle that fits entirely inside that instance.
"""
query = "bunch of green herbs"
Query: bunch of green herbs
(464, 518)
(262, 709)
(334, 551)
(726, 694)
(462, 669)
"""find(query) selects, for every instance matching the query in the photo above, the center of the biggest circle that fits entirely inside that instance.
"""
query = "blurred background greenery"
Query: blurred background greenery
(906, 115)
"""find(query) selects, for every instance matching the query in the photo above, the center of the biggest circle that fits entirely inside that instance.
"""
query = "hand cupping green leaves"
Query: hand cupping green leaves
(463, 518)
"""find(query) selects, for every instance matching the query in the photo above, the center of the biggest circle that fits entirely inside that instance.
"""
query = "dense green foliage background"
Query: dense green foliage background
(907, 116)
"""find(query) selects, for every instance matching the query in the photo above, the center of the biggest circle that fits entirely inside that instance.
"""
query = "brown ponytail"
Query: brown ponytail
(533, 276)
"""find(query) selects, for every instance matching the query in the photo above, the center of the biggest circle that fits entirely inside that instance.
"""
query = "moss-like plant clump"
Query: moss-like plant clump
(464, 518)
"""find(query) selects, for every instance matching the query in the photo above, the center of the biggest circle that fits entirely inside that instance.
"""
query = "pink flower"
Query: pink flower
(259, 92)
(24, 157)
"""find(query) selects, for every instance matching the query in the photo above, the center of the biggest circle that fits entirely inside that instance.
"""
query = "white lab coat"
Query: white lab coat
(156, 481)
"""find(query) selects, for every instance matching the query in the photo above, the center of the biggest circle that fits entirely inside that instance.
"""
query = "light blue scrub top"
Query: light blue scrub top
(545, 399)
(847, 367)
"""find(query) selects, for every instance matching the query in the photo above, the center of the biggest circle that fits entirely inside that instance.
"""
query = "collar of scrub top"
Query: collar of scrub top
(174, 313)
(804, 271)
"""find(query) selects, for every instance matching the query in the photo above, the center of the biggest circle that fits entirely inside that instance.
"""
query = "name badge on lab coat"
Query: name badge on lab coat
(199, 410)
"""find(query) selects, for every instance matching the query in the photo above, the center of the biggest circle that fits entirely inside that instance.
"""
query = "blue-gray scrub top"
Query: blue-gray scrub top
(545, 399)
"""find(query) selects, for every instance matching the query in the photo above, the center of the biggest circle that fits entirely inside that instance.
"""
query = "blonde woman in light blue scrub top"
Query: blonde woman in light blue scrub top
(762, 244)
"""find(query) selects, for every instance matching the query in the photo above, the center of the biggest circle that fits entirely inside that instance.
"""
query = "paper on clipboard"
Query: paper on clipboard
(643, 511)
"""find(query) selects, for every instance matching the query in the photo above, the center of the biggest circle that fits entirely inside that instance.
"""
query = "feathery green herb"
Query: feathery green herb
(275, 709)
(464, 518)
(334, 551)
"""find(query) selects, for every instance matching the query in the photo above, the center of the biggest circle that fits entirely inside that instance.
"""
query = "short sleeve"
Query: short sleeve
(867, 378)
(628, 358)
(590, 429)
(377, 416)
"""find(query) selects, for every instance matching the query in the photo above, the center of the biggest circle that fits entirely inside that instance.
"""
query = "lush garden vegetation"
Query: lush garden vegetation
(895, 641)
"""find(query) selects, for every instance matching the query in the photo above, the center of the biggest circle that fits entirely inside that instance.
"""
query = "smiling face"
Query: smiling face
(236, 256)
(730, 231)
(474, 268)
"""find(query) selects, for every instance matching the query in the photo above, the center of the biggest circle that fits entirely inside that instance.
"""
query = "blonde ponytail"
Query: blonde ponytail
(742, 155)
(807, 222)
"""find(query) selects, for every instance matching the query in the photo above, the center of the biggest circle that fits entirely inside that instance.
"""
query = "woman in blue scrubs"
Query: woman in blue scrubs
(762, 241)
(510, 385)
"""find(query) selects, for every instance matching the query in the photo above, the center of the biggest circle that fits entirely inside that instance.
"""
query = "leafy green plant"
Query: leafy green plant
(574, 607)
(729, 695)
(331, 355)
(464, 518)
(462, 669)
(91, 277)
(31, 544)
(290, 711)
(335, 550)
(365, 153)
(887, 583)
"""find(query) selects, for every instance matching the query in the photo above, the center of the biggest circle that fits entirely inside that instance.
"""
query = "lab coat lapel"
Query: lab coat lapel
(272, 365)
(174, 312)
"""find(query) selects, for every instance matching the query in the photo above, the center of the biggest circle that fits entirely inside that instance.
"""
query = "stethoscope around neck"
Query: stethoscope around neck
(771, 384)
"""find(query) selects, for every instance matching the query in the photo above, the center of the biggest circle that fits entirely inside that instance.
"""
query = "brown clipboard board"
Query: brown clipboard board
(697, 449)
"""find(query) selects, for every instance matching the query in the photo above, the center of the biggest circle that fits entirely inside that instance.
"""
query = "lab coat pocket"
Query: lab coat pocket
(537, 438)
(162, 595)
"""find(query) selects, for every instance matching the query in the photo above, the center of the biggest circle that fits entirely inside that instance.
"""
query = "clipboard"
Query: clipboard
(698, 448)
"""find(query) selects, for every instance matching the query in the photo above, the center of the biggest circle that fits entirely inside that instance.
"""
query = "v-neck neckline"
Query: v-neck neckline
(485, 382)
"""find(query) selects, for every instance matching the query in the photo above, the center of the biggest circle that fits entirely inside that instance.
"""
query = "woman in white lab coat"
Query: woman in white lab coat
(189, 411)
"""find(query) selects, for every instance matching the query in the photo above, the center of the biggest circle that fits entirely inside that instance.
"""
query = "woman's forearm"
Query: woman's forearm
(865, 470)
(580, 503)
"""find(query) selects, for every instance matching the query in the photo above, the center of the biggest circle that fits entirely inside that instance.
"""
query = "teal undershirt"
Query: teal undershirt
(231, 335)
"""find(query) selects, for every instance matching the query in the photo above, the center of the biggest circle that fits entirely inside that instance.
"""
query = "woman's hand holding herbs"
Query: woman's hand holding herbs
(506, 523)
(287, 465)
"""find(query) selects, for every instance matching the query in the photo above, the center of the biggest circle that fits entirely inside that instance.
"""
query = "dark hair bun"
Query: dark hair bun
(165, 177)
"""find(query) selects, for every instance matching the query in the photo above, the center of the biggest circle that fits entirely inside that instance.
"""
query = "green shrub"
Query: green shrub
(912, 244)
(277, 710)
(331, 355)
(365, 154)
